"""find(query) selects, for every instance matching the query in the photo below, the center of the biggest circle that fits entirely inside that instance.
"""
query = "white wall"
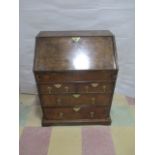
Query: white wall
(114, 15)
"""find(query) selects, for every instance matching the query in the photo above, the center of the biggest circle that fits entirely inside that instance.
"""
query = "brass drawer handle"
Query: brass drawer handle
(66, 89)
(76, 109)
(92, 114)
(94, 84)
(75, 39)
(76, 95)
(93, 100)
(61, 114)
(104, 88)
(58, 101)
(49, 90)
(57, 85)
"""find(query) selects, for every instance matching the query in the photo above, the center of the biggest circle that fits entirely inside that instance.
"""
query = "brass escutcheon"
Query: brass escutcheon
(94, 84)
(92, 114)
(104, 88)
(75, 39)
(76, 95)
(59, 101)
(76, 109)
(61, 114)
(57, 85)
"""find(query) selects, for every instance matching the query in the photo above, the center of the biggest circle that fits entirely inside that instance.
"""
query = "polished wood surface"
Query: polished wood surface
(75, 113)
(75, 72)
(86, 54)
(76, 87)
(75, 99)
(68, 76)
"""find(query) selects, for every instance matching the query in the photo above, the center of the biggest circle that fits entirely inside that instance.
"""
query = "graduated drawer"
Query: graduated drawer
(48, 77)
(75, 99)
(75, 113)
(76, 87)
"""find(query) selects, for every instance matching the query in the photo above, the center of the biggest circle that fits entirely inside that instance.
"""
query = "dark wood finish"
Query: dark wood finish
(75, 72)
(103, 121)
(69, 113)
(84, 33)
(76, 87)
(82, 75)
(73, 52)
(95, 87)
(70, 100)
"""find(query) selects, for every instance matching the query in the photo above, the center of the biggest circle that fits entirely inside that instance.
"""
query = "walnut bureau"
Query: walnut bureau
(75, 72)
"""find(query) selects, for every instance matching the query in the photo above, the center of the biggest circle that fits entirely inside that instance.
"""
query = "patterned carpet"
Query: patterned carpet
(117, 139)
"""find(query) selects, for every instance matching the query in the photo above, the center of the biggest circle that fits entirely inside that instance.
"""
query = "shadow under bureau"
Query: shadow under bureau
(75, 72)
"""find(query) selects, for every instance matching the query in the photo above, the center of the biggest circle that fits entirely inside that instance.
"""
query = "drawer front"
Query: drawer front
(77, 87)
(75, 99)
(95, 87)
(48, 77)
(76, 112)
(57, 88)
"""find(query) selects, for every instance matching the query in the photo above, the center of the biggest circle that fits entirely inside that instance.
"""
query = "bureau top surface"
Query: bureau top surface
(75, 50)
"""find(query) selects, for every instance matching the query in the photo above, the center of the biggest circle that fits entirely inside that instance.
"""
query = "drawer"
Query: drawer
(95, 87)
(75, 99)
(68, 76)
(76, 87)
(57, 88)
(75, 113)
